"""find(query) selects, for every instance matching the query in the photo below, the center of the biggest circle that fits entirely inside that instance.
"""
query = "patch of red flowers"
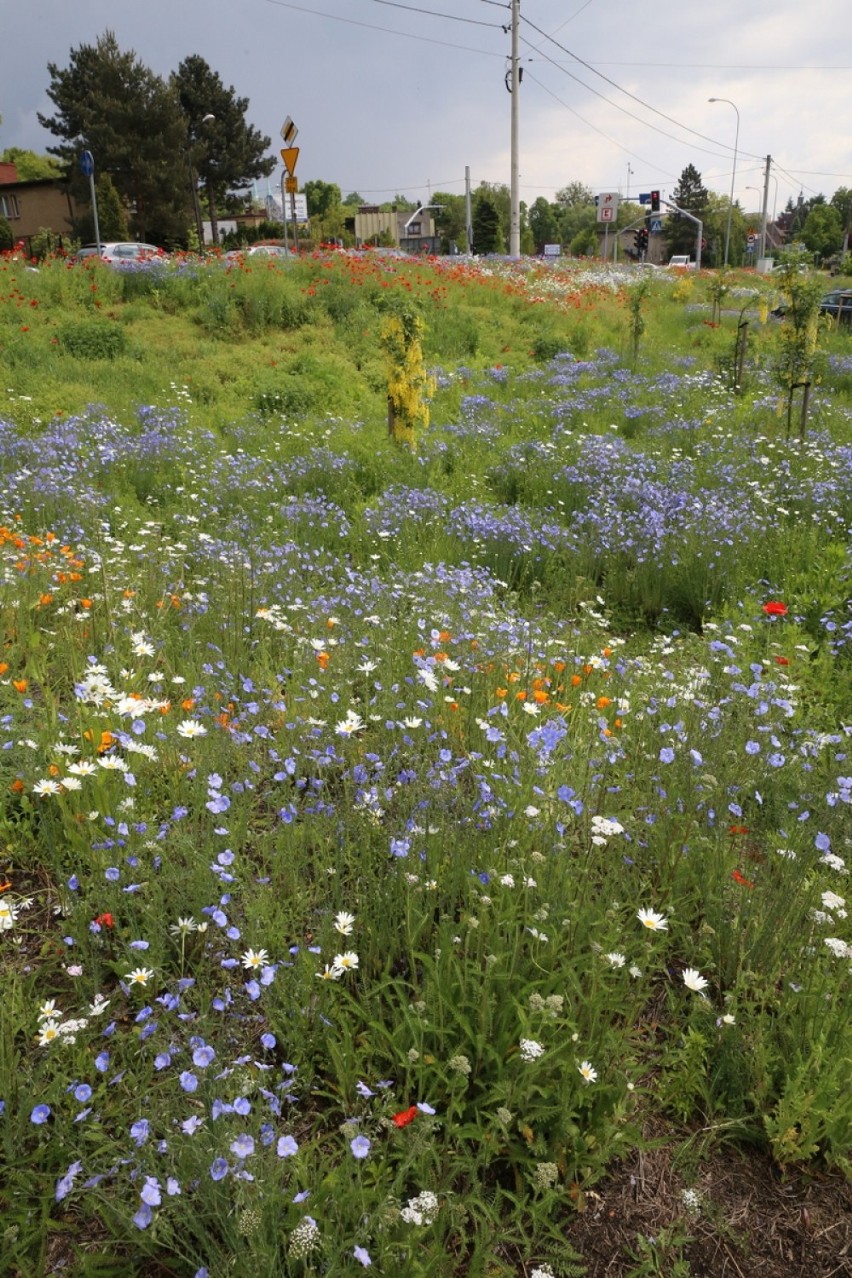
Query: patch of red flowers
(782, 661)
(775, 608)
(741, 879)
(737, 829)
(105, 920)
(405, 1117)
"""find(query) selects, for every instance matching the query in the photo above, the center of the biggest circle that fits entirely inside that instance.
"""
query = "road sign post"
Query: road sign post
(289, 183)
(87, 168)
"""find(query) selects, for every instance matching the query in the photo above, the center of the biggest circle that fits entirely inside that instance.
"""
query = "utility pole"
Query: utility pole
(468, 217)
(761, 254)
(514, 196)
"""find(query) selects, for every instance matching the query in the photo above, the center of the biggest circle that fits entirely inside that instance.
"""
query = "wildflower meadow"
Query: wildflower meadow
(404, 828)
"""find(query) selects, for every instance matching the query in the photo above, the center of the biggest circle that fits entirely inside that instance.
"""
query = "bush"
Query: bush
(93, 339)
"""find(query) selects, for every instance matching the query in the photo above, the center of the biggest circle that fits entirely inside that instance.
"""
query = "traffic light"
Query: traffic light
(655, 201)
(637, 241)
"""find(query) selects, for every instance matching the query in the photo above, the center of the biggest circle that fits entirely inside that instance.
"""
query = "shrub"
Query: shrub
(93, 339)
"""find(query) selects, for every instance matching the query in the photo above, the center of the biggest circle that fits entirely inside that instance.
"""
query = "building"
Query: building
(413, 232)
(41, 204)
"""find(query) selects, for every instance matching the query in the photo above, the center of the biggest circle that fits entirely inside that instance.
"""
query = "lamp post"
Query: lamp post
(733, 174)
(629, 175)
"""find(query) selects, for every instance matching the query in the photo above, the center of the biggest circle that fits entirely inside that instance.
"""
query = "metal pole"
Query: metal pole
(733, 174)
(295, 225)
(284, 207)
(95, 209)
(467, 211)
(515, 203)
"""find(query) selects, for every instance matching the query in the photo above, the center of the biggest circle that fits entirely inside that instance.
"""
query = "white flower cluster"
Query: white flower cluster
(421, 1210)
(530, 1049)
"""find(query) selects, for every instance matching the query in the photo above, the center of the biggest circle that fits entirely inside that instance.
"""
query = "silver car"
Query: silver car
(122, 251)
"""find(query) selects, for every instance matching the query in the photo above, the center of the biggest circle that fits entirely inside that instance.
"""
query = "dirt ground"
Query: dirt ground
(748, 1219)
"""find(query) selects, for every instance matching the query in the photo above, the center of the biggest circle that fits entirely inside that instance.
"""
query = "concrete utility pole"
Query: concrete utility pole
(514, 196)
(761, 253)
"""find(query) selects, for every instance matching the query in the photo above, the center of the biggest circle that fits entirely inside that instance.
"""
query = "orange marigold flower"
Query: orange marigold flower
(4, 666)
(576, 680)
(603, 702)
(45, 599)
(17, 786)
(323, 659)
(188, 703)
(20, 685)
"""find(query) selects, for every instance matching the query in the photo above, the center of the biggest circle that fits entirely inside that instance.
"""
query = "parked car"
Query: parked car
(682, 261)
(837, 304)
(262, 249)
(117, 253)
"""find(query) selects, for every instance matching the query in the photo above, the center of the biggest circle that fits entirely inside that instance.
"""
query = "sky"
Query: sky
(400, 96)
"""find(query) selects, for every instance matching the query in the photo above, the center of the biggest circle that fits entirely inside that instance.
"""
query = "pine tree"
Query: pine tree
(225, 151)
(487, 235)
(131, 121)
(691, 195)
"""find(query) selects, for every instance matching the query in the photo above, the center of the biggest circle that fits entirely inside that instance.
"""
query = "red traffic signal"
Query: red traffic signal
(655, 201)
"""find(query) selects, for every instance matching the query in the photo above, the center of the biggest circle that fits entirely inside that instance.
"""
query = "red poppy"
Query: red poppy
(105, 920)
(741, 879)
(775, 608)
(405, 1117)
(782, 661)
(738, 829)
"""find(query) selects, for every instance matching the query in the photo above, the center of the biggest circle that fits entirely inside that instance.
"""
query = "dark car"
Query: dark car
(837, 304)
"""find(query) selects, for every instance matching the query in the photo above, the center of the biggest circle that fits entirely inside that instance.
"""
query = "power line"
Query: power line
(371, 26)
(630, 114)
(628, 94)
(432, 13)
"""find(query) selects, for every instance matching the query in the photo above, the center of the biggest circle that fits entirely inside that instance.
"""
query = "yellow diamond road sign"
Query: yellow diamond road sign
(290, 154)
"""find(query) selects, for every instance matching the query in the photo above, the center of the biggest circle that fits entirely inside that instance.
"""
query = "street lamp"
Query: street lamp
(733, 174)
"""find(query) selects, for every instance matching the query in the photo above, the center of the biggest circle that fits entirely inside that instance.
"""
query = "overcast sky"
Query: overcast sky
(399, 97)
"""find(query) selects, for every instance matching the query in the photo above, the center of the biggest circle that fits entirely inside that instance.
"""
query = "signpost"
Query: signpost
(289, 182)
(87, 168)
(607, 213)
(608, 206)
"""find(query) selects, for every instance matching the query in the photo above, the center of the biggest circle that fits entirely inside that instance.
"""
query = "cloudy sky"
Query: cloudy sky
(398, 96)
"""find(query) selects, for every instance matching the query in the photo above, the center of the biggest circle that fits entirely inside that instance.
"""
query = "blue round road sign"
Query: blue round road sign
(87, 164)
